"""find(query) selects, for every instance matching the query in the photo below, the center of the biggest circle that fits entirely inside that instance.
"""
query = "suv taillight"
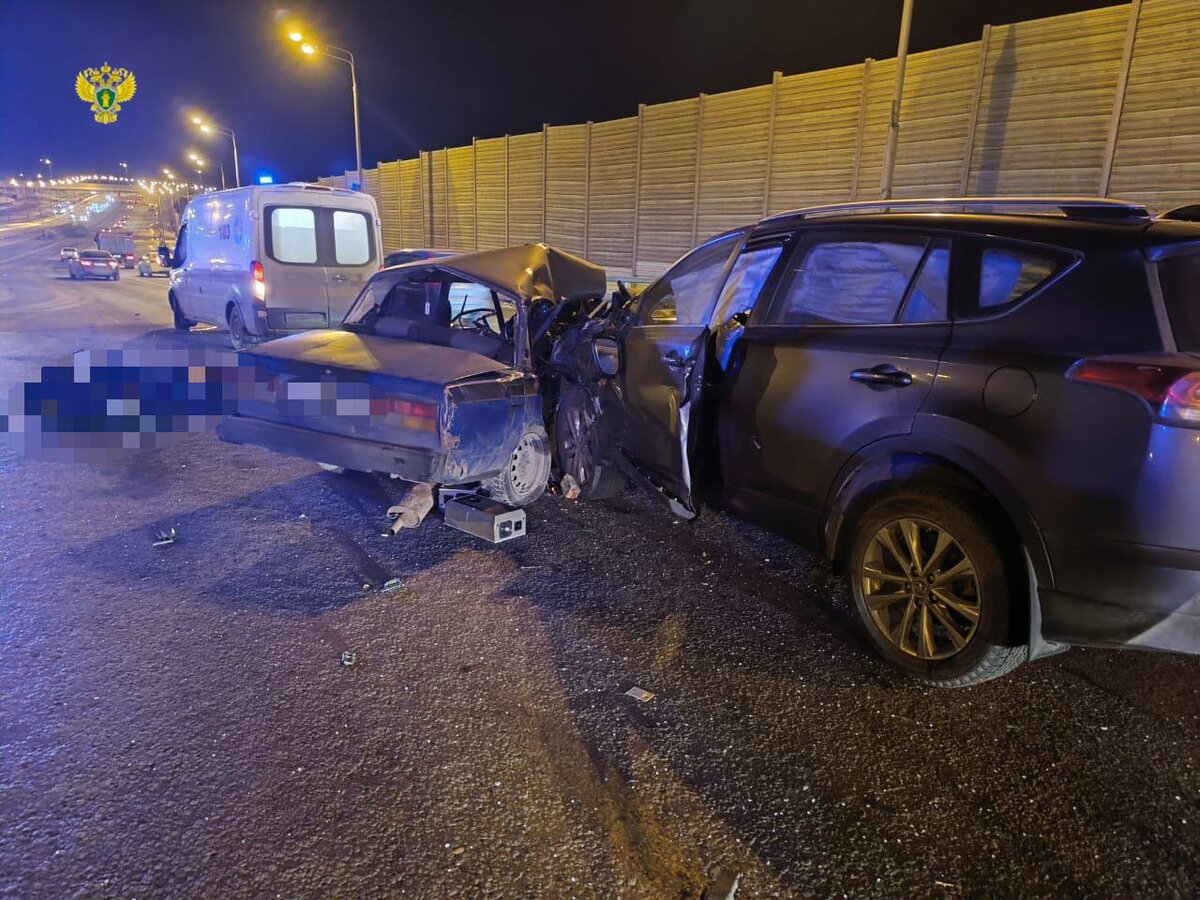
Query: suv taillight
(260, 281)
(1171, 392)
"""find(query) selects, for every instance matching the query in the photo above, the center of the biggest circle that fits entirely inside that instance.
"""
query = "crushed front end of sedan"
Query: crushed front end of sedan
(439, 373)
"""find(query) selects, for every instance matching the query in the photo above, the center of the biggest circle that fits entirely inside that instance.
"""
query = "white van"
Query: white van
(269, 260)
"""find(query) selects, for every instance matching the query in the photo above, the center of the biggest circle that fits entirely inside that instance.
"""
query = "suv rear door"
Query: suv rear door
(842, 354)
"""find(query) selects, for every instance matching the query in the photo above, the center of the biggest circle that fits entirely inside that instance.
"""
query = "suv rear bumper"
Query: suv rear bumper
(1115, 594)
(410, 463)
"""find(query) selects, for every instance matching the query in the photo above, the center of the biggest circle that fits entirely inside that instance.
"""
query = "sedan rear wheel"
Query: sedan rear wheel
(524, 479)
(931, 589)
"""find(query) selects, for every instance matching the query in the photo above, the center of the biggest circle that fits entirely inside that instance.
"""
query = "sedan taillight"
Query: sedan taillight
(1171, 392)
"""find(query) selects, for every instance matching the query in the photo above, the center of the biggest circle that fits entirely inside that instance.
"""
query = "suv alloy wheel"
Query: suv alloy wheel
(931, 589)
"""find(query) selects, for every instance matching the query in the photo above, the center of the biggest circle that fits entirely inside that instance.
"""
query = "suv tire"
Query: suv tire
(945, 617)
(524, 477)
(581, 446)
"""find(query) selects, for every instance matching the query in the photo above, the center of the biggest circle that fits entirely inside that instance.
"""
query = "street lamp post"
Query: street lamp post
(339, 53)
(893, 132)
(200, 162)
(210, 128)
(49, 166)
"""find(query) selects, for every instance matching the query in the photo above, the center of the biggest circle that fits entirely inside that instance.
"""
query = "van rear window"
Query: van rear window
(1180, 278)
(294, 234)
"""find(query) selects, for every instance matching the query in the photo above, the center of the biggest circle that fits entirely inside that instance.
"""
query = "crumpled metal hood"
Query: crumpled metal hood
(530, 272)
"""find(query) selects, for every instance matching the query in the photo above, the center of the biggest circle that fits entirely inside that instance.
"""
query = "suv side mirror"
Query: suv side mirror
(606, 353)
(165, 257)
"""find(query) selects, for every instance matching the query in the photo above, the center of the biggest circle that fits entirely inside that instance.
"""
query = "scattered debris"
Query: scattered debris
(392, 584)
(724, 885)
(458, 851)
(570, 487)
(349, 658)
(303, 516)
(945, 884)
(485, 518)
(445, 495)
(638, 694)
(410, 511)
(165, 538)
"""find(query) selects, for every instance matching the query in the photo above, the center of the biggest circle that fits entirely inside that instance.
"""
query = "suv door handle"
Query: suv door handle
(884, 376)
(338, 277)
(673, 360)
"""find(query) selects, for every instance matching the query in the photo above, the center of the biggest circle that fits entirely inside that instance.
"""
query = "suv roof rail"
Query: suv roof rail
(1071, 207)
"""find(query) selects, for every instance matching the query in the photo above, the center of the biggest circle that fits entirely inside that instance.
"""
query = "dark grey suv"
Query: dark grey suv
(987, 412)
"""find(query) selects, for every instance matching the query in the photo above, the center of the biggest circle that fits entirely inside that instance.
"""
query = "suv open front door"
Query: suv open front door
(664, 349)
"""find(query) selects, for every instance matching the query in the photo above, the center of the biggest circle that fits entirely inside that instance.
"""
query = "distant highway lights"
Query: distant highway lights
(312, 50)
(200, 161)
(212, 128)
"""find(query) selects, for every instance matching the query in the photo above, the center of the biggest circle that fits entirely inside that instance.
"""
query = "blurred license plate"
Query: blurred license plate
(305, 320)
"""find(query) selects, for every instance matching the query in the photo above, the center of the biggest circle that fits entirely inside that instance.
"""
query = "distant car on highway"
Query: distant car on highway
(119, 244)
(146, 266)
(270, 260)
(94, 264)
(68, 253)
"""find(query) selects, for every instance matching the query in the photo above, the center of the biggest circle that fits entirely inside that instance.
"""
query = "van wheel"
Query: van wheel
(181, 324)
(581, 444)
(931, 589)
(524, 479)
(237, 329)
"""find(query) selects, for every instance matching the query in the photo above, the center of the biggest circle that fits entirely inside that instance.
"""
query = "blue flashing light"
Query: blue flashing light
(266, 179)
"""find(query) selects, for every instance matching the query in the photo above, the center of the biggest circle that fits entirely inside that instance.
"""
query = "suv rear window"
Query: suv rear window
(1180, 278)
(1009, 274)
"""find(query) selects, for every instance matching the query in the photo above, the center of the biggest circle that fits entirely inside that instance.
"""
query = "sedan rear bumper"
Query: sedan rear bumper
(409, 463)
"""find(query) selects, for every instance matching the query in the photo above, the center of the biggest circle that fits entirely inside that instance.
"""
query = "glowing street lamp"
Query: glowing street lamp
(49, 166)
(213, 128)
(312, 50)
(200, 162)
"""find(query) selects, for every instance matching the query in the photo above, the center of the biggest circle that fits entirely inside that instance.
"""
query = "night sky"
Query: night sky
(430, 74)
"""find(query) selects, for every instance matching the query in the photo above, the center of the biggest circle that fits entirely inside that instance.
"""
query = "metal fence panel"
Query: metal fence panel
(491, 185)
(939, 86)
(1157, 158)
(1066, 105)
(733, 159)
(525, 185)
(389, 205)
(814, 138)
(566, 187)
(439, 202)
(411, 211)
(1046, 104)
(612, 193)
(666, 185)
(460, 198)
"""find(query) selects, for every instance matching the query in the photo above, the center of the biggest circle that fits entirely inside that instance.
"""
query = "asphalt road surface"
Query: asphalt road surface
(176, 721)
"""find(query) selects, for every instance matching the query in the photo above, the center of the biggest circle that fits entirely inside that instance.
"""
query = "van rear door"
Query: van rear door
(294, 272)
(353, 254)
